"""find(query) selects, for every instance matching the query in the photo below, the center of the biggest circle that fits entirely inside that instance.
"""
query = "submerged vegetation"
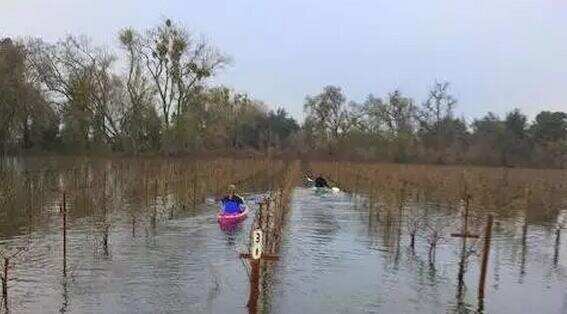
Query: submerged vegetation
(154, 187)
(400, 195)
(415, 201)
(140, 193)
(418, 211)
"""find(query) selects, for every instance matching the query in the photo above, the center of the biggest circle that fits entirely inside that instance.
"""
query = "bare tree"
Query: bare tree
(140, 123)
(176, 63)
(25, 115)
(438, 107)
(80, 80)
(327, 114)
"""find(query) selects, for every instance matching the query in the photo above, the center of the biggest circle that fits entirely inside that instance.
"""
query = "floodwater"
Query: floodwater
(336, 257)
(335, 260)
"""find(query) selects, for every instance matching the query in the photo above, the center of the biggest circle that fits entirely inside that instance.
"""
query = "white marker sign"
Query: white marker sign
(257, 244)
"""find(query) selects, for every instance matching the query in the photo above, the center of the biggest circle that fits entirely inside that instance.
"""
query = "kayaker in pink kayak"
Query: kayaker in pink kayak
(232, 203)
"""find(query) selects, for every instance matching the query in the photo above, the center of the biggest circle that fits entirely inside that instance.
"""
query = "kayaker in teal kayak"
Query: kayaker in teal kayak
(318, 182)
(232, 203)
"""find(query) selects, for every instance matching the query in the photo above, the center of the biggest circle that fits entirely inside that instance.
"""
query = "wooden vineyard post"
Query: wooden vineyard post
(484, 265)
(64, 223)
(5, 282)
(464, 235)
(194, 188)
(524, 248)
(4, 274)
(255, 258)
(557, 244)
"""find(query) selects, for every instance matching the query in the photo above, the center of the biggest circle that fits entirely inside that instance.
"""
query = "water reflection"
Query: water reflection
(368, 265)
(64, 296)
(231, 232)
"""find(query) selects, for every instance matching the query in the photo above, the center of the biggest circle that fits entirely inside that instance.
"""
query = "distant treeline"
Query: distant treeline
(154, 96)
(396, 129)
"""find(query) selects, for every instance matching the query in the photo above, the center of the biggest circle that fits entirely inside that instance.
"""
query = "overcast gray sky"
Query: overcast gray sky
(498, 54)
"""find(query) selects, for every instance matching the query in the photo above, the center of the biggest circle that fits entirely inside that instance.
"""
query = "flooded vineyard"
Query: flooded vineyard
(125, 235)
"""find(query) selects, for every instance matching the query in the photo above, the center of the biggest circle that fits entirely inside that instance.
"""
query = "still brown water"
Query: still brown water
(150, 254)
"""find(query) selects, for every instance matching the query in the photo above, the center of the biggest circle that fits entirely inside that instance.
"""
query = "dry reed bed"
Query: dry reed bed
(500, 190)
(97, 186)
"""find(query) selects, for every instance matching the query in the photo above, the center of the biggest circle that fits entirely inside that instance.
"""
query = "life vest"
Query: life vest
(230, 206)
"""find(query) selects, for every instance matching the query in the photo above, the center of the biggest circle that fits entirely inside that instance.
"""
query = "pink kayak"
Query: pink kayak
(232, 218)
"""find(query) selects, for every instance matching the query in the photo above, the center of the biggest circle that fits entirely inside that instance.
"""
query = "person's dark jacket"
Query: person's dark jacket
(320, 182)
